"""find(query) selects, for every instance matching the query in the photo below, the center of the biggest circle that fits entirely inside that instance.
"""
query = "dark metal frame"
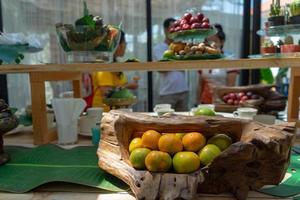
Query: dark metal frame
(149, 54)
(3, 77)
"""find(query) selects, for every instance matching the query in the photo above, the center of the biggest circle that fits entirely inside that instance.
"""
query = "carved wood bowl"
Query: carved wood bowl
(259, 155)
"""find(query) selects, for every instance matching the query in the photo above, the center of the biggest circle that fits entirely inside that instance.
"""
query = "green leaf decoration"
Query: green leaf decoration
(30, 168)
(266, 76)
(290, 186)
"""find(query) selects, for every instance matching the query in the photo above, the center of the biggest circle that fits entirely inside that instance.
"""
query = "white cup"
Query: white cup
(245, 113)
(162, 106)
(265, 119)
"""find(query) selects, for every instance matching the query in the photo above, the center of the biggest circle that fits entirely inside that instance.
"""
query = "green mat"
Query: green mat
(32, 167)
(290, 186)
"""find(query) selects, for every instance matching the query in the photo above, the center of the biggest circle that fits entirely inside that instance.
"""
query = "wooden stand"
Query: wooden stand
(259, 156)
(294, 95)
(43, 135)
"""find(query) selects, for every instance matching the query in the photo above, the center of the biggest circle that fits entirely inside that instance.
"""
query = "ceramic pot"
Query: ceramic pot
(289, 48)
(294, 20)
(268, 50)
(276, 21)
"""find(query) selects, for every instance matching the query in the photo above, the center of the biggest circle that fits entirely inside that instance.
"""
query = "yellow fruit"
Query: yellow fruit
(209, 153)
(170, 143)
(186, 162)
(137, 157)
(180, 135)
(150, 139)
(221, 140)
(168, 54)
(158, 161)
(193, 141)
(177, 46)
(135, 143)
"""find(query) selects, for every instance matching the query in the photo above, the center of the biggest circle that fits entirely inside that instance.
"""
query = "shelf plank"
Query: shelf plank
(155, 66)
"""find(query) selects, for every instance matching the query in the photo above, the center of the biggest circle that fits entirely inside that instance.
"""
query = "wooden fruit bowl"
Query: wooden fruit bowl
(259, 155)
(269, 100)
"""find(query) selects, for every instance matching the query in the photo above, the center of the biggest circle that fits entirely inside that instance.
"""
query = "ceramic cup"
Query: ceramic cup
(245, 113)
(67, 111)
(265, 119)
(87, 122)
(162, 106)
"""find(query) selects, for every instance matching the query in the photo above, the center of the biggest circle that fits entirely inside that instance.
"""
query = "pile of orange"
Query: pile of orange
(182, 152)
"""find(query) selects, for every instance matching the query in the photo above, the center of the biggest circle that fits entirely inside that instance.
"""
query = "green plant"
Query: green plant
(267, 43)
(275, 9)
(295, 8)
(288, 40)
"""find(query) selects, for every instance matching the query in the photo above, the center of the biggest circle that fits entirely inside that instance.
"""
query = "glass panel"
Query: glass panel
(40, 17)
(228, 13)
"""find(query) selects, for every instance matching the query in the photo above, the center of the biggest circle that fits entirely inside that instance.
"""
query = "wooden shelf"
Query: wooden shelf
(155, 66)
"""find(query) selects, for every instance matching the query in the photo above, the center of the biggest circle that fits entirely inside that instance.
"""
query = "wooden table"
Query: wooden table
(51, 191)
(45, 72)
(117, 196)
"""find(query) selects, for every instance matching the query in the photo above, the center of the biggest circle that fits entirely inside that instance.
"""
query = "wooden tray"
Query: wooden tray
(259, 155)
(270, 101)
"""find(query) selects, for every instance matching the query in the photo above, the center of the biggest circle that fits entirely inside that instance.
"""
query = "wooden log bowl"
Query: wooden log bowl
(270, 101)
(259, 155)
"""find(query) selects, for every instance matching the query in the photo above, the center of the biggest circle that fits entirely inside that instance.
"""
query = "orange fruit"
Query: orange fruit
(186, 162)
(209, 153)
(137, 157)
(158, 161)
(193, 141)
(180, 135)
(170, 143)
(135, 143)
(150, 139)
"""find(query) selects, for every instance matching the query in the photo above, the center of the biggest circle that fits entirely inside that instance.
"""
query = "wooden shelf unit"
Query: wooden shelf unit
(45, 72)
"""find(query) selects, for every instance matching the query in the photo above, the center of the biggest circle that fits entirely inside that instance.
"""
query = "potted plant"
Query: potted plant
(295, 12)
(268, 47)
(276, 14)
(289, 46)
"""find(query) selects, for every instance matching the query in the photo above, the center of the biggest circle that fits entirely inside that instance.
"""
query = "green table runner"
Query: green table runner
(290, 186)
(32, 167)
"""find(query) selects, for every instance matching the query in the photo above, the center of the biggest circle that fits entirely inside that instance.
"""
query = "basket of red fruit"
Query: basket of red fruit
(191, 26)
(263, 97)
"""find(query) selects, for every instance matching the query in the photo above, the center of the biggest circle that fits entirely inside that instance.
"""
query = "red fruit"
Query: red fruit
(187, 16)
(205, 25)
(182, 22)
(194, 20)
(232, 95)
(186, 27)
(225, 98)
(241, 94)
(230, 101)
(244, 98)
(195, 26)
(172, 30)
(178, 28)
(176, 23)
(236, 102)
(249, 94)
(200, 17)
(205, 19)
